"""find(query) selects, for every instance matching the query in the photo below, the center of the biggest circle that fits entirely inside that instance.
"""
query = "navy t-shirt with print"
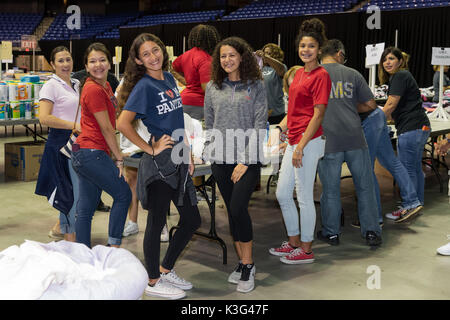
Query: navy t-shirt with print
(158, 104)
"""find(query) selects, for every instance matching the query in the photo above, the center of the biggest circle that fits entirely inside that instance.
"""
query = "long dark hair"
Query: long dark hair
(133, 71)
(96, 46)
(204, 37)
(383, 76)
(248, 68)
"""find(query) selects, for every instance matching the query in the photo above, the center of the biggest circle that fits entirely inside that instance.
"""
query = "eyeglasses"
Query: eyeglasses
(344, 57)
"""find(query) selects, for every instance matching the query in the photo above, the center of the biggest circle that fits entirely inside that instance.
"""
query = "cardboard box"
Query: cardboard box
(41, 64)
(23, 160)
(26, 62)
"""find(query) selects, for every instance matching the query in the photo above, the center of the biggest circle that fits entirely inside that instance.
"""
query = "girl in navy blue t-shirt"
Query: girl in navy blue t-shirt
(151, 94)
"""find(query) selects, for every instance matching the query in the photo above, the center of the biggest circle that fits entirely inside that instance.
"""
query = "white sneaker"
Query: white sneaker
(165, 234)
(130, 228)
(172, 278)
(247, 281)
(236, 274)
(444, 250)
(163, 289)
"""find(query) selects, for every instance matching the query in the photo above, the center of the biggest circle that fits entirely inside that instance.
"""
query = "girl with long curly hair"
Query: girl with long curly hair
(149, 93)
(235, 101)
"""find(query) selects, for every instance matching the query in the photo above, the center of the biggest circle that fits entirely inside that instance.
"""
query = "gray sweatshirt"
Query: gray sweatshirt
(235, 122)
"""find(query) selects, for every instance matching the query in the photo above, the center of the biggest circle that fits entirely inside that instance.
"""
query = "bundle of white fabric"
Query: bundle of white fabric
(70, 271)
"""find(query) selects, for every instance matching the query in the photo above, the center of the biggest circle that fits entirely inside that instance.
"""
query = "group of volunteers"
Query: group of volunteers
(331, 118)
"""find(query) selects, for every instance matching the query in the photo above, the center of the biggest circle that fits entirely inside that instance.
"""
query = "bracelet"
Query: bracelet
(119, 162)
(279, 127)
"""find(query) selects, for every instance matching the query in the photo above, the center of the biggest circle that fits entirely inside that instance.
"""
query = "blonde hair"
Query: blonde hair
(404, 65)
(290, 73)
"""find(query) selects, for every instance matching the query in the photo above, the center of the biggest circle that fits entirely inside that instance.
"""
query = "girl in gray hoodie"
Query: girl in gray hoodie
(236, 120)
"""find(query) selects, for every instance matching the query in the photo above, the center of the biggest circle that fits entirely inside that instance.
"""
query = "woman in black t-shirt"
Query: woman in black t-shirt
(404, 105)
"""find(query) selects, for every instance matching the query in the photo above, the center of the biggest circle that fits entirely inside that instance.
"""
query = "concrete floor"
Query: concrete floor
(407, 260)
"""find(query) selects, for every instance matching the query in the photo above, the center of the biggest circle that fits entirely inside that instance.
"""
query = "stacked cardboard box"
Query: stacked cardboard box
(23, 160)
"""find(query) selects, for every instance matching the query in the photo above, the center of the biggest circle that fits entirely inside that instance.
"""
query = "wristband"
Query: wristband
(119, 162)
(279, 127)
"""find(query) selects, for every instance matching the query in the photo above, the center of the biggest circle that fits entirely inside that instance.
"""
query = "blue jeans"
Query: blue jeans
(410, 147)
(380, 146)
(67, 222)
(96, 172)
(330, 167)
(303, 180)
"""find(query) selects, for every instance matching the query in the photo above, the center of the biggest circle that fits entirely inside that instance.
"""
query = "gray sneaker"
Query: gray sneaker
(163, 289)
(236, 274)
(247, 281)
(172, 278)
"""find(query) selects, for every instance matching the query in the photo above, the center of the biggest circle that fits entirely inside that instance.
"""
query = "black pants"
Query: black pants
(160, 195)
(236, 198)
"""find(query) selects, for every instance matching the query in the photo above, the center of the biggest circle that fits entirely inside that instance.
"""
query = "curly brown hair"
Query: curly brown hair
(133, 71)
(312, 28)
(275, 51)
(204, 37)
(248, 68)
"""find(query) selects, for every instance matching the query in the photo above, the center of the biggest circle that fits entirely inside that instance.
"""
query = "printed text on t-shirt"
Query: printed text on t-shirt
(169, 105)
(340, 90)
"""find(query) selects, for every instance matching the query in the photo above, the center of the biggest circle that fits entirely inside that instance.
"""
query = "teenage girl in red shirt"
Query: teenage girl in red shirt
(91, 158)
(308, 98)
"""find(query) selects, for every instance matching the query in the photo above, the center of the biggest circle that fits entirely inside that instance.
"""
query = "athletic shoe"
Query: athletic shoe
(332, 239)
(298, 256)
(284, 250)
(163, 289)
(236, 274)
(407, 214)
(172, 278)
(444, 250)
(372, 239)
(247, 281)
(395, 214)
(130, 228)
(165, 234)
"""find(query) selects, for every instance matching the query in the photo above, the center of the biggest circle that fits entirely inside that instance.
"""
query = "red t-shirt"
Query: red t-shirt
(195, 64)
(95, 98)
(307, 90)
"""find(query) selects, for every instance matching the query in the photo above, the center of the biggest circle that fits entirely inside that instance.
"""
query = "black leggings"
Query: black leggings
(160, 194)
(236, 198)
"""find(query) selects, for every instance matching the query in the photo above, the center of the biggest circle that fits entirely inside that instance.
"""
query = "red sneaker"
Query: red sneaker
(284, 250)
(298, 256)
(395, 215)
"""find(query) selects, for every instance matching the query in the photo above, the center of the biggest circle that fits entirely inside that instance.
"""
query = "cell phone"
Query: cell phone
(75, 147)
